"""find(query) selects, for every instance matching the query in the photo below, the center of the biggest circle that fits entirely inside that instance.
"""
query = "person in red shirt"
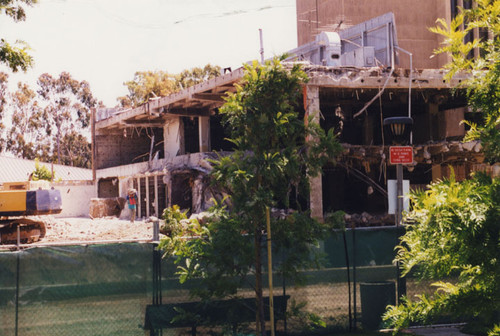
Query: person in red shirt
(132, 203)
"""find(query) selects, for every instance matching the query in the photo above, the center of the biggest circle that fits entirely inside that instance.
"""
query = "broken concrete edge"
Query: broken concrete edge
(434, 152)
(341, 77)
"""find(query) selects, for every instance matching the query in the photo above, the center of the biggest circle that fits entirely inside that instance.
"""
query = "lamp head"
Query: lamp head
(398, 129)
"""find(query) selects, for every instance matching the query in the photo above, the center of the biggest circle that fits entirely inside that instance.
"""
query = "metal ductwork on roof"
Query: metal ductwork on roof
(368, 44)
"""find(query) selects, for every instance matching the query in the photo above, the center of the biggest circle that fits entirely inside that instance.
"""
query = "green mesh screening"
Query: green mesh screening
(104, 289)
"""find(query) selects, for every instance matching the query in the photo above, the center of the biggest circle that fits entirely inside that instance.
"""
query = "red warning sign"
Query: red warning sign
(400, 155)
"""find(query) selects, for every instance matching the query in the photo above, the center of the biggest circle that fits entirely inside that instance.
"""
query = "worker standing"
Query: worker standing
(132, 203)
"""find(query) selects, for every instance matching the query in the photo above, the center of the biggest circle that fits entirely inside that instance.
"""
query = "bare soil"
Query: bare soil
(87, 229)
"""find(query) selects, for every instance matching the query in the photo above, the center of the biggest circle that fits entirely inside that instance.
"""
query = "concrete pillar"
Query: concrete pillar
(147, 197)
(316, 185)
(436, 173)
(139, 197)
(204, 132)
(197, 191)
(156, 196)
(172, 136)
(167, 179)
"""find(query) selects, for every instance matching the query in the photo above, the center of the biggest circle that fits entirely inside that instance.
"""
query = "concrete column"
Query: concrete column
(197, 191)
(475, 34)
(139, 197)
(204, 132)
(147, 197)
(316, 185)
(172, 136)
(167, 179)
(156, 196)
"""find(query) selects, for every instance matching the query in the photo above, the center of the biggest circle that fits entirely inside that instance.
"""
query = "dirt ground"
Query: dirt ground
(87, 229)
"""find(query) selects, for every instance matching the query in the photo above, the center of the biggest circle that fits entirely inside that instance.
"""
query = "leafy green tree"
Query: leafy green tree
(3, 102)
(26, 138)
(196, 75)
(52, 123)
(15, 56)
(66, 117)
(41, 172)
(456, 234)
(456, 225)
(147, 85)
(151, 84)
(271, 165)
(483, 88)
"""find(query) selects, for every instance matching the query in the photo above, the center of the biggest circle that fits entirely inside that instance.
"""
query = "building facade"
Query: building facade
(163, 147)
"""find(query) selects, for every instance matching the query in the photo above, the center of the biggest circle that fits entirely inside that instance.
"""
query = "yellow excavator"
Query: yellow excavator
(18, 201)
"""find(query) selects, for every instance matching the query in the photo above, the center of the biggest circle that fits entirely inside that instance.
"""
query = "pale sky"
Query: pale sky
(106, 41)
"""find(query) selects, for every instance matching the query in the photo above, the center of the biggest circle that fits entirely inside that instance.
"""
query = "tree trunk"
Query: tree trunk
(259, 304)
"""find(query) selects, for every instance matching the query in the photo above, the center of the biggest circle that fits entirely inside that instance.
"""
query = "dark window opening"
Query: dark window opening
(297, 200)
(182, 191)
(349, 191)
(218, 135)
(191, 135)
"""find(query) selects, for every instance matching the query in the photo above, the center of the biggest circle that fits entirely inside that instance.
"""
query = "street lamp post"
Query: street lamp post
(399, 130)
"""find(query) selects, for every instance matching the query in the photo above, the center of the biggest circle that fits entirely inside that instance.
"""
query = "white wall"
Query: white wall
(172, 138)
(76, 199)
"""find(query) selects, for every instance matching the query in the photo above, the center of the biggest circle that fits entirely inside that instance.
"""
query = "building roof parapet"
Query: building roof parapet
(202, 98)
(354, 77)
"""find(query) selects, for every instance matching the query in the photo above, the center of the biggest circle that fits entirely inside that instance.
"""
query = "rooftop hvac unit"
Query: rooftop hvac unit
(360, 57)
(329, 49)
(370, 43)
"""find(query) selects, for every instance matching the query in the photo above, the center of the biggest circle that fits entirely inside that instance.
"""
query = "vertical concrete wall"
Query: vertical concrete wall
(76, 199)
(316, 186)
(413, 18)
(204, 129)
(172, 134)
(120, 147)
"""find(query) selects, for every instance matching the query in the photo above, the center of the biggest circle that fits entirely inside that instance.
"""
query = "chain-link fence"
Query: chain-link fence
(107, 289)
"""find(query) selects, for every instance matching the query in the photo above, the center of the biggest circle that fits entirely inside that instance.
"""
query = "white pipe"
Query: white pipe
(387, 80)
(409, 87)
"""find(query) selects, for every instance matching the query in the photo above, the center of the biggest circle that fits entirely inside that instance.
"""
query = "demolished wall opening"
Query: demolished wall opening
(436, 113)
(129, 145)
(191, 135)
(182, 186)
(350, 190)
(218, 135)
(152, 193)
(108, 187)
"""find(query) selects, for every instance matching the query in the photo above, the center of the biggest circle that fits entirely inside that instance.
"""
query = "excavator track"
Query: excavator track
(30, 231)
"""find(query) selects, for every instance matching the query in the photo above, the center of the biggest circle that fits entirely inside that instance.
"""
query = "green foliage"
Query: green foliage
(41, 172)
(495, 331)
(52, 122)
(15, 56)
(3, 102)
(26, 138)
(483, 87)
(148, 85)
(273, 162)
(172, 217)
(455, 234)
(298, 315)
(196, 75)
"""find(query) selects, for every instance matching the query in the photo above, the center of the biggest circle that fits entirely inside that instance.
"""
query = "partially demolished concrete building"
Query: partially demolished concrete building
(163, 147)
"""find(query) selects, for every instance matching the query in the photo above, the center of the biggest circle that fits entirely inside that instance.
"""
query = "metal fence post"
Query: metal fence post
(157, 292)
(17, 291)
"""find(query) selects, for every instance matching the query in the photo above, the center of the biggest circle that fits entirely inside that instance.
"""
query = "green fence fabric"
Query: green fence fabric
(75, 290)
(105, 289)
